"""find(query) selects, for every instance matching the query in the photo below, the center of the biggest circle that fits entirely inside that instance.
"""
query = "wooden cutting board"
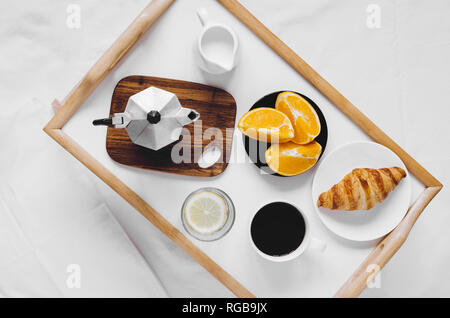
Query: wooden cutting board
(217, 109)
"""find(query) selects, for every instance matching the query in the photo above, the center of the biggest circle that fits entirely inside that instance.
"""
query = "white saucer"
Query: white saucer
(361, 225)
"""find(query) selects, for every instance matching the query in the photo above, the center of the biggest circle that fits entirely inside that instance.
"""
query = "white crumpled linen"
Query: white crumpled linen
(58, 238)
(41, 57)
(397, 75)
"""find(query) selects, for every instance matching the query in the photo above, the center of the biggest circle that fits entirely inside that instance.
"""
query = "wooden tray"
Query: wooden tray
(217, 109)
(377, 258)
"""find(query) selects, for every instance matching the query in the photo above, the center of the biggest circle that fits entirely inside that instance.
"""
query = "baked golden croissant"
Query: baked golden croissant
(361, 189)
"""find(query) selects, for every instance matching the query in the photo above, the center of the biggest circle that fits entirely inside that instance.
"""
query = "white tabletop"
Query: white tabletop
(386, 72)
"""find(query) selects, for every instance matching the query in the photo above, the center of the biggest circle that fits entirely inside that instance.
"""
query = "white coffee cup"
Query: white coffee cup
(217, 46)
(308, 242)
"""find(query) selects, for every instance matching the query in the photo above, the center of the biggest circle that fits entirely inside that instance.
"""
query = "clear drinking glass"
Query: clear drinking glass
(229, 218)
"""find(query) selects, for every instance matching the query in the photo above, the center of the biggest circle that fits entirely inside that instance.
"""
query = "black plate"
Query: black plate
(269, 101)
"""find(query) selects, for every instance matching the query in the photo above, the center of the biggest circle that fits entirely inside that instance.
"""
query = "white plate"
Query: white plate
(361, 225)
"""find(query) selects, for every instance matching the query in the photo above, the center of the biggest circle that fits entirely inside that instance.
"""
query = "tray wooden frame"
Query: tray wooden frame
(65, 110)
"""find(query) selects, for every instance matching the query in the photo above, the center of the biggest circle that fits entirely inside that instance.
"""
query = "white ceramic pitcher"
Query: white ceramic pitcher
(217, 46)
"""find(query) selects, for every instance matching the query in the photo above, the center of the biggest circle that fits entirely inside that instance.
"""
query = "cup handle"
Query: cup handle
(203, 16)
(317, 245)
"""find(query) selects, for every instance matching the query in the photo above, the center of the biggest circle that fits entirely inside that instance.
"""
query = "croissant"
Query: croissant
(361, 189)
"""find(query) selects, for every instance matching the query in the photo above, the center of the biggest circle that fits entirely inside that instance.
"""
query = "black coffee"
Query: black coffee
(278, 229)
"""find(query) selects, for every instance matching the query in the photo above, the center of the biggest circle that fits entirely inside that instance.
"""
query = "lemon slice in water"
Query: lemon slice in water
(205, 212)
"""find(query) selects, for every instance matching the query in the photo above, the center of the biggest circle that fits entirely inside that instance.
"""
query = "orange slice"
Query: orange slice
(302, 115)
(291, 159)
(266, 124)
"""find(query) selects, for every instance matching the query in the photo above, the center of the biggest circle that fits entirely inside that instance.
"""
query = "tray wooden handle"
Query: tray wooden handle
(354, 286)
(387, 248)
(108, 61)
(105, 64)
(77, 97)
(326, 88)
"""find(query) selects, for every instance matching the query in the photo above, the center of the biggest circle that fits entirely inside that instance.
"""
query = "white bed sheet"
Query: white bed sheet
(58, 237)
(398, 75)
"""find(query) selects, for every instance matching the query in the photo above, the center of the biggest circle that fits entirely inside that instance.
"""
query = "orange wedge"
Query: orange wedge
(302, 115)
(291, 159)
(266, 124)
